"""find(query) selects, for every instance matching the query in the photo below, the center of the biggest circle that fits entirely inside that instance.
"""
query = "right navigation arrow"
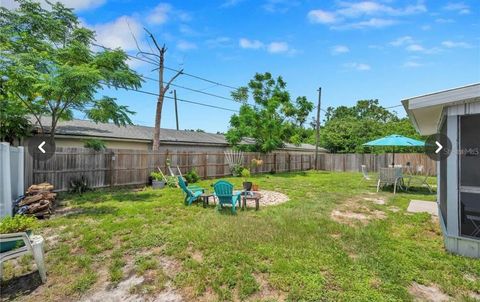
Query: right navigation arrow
(440, 147)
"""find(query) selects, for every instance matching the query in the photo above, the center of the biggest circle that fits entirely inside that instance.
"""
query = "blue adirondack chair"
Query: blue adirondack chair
(192, 193)
(224, 192)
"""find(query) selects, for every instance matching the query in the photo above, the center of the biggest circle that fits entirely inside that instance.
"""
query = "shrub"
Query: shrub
(245, 173)
(172, 181)
(95, 144)
(192, 176)
(156, 176)
(79, 185)
(236, 170)
(17, 223)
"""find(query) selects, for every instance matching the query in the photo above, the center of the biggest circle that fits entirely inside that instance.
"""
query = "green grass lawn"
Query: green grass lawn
(294, 251)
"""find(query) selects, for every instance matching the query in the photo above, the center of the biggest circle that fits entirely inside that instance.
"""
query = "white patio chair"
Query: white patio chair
(365, 175)
(421, 177)
(390, 176)
(33, 244)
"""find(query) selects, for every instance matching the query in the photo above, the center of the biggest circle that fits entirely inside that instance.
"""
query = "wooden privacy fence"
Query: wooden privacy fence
(119, 167)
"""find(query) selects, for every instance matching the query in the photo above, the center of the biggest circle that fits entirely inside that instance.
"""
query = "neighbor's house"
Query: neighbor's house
(455, 113)
(75, 132)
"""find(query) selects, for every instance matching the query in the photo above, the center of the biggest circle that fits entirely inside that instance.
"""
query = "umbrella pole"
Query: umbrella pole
(393, 160)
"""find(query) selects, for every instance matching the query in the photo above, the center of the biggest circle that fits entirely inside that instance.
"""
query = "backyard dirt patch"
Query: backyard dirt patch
(427, 293)
(356, 209)
(266, 291)
(270, 198)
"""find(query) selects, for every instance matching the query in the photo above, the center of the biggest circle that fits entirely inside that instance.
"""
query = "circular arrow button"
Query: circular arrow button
(41, 147)
(438, 146)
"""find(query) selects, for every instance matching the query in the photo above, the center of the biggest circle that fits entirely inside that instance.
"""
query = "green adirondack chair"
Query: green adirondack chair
(192, 193)
(224, 192)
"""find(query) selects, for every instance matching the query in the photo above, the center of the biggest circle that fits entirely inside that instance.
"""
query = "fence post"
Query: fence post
(301, 162)
(21, 169)
(112, 168)
(274, 162)
(289, 162)
(5, 182)
(204, 159)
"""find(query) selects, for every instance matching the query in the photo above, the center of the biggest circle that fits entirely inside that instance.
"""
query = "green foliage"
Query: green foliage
(192, 176)
(95, 144)
(245, 173)
(48, 65)
(156, 176)
(346, 129)
(171, 181)
(14, 123)
(17, 223)
(273, 120)
(236, 170)
(79, 185)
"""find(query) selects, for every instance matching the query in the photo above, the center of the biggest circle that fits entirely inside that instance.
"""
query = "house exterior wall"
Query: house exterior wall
(453, 240)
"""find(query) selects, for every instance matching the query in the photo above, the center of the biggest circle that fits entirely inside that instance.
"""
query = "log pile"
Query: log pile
(39, 199)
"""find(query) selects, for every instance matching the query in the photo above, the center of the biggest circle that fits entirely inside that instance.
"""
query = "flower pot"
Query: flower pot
(158, 184)
(14, 244)
(247, 185)
(255, 188)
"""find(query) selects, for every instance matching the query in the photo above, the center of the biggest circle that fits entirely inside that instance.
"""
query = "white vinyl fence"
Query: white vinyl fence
(11, 177)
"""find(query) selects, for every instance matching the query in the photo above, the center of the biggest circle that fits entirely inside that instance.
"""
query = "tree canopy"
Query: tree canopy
(272, 120)
(346, 129)
(48, 65)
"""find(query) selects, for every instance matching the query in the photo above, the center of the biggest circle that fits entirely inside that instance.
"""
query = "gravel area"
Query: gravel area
(269, 198)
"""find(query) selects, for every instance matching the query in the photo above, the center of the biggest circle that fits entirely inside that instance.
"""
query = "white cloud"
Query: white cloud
(459, 7)
(279, 6)
(452, 44)
(358, 66)
(364, 14)
(186, 45)
(250, 44)
(160, 14)
(118, 33)
(412, 64)
(443, 20)
(426, 27)
(75, 4)
(370, 23)
(278, 47)
(321, 16)
(402, 41)
(339, 49)
(219, 42)
(420, 49)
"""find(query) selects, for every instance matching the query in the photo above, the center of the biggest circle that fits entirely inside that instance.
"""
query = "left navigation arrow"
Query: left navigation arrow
(40, 147)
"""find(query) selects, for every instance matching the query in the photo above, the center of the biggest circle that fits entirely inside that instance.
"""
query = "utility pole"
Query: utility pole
(317, 141)
(176, 107)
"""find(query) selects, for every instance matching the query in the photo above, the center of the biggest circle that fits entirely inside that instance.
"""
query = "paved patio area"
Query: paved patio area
(420, 206)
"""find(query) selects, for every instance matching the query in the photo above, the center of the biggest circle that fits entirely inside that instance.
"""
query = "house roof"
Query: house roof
(82, 128)
(425, 111)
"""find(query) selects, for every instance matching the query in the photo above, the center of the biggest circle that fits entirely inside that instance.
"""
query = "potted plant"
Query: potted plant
(157, 180)
(247, 185)
(16, 224)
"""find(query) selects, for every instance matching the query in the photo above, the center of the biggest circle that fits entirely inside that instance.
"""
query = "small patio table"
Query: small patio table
(205, 197)
(251, 195)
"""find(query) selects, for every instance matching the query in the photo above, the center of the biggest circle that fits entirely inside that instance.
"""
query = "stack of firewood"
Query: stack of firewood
(39, 199)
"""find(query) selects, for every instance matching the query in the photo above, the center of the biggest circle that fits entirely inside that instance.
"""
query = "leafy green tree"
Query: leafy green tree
(14, 124)
(272, 120)
(346, 129)
(48, 65)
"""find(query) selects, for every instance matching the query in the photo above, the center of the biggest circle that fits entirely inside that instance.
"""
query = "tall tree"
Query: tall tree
(14, 124)
(348, 128)
(48, 65)
(273, 120)
(158, 58)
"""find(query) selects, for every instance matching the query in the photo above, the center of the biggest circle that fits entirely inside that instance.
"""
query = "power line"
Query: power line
(394, 106)
(172, 69)
(169, 97)
(190, 89)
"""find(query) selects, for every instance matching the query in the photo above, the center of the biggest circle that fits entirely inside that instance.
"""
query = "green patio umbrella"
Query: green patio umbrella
(395, 140)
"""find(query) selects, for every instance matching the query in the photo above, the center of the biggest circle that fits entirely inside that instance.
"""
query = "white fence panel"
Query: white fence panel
(11, 176)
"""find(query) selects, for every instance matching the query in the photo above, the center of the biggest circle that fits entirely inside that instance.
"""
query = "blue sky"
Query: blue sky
(354, 50)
